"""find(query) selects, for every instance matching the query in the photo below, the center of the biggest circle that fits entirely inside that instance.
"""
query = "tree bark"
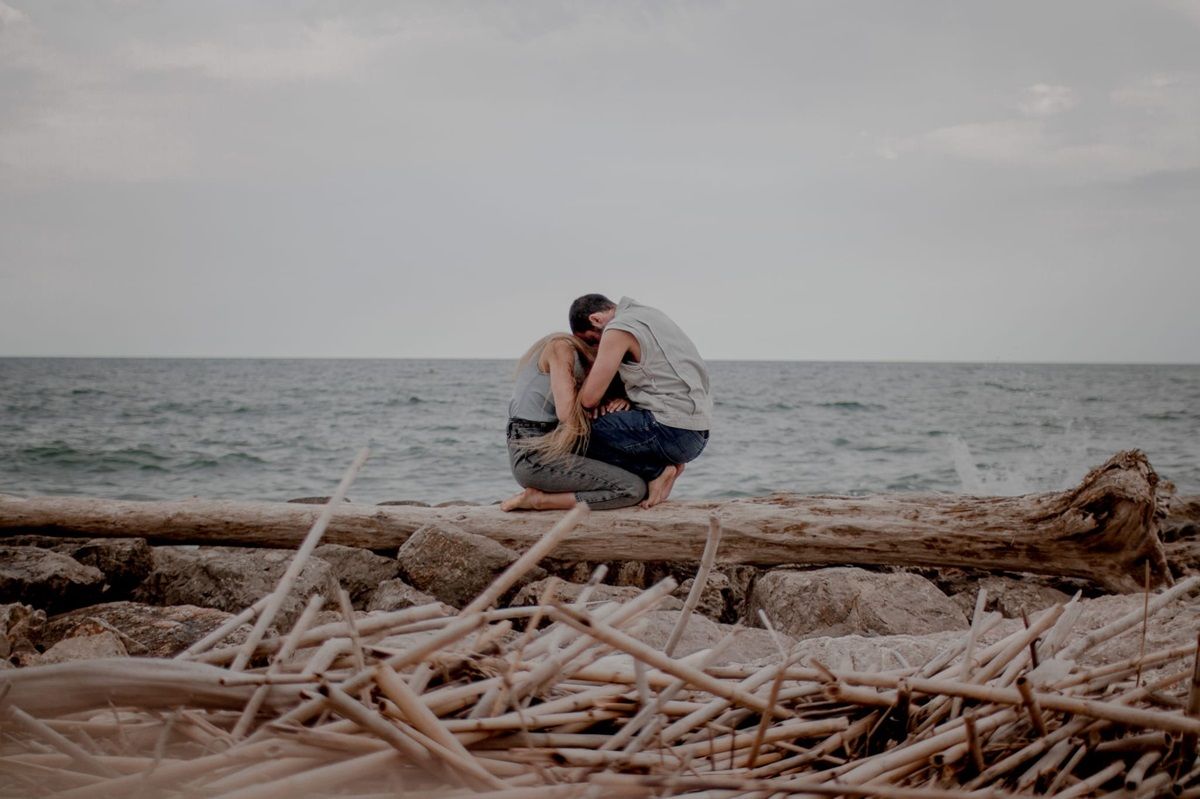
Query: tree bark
(1104, 530)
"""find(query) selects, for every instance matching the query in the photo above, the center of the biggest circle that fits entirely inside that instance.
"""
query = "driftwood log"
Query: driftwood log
(1104, 530)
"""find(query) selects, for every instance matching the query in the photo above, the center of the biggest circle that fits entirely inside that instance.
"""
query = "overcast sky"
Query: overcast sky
(789, 180)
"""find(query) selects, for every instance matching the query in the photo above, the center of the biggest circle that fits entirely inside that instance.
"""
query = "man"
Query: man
(665, 379)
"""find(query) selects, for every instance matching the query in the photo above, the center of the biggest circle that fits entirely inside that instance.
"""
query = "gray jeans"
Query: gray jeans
(601, 485)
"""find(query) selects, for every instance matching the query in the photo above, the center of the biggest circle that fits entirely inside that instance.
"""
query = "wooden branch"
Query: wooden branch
(1104, 530)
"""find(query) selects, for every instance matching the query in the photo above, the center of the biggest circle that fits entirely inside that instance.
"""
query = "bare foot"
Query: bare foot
(536, 499)
(660, 487)
(521, 501)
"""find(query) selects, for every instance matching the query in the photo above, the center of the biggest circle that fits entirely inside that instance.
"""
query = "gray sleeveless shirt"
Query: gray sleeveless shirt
(532, 398)
(671, 379)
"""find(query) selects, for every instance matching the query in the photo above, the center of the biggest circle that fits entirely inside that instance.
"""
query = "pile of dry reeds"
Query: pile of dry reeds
(560, 700)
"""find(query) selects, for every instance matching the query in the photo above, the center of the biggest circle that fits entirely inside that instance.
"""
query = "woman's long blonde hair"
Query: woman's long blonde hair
(571, 434)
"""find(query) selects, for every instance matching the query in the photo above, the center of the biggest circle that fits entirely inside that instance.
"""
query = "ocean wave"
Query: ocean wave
(1004, 387)
(228, 459)
(852, 405)
(62, 454)
(1169, 416)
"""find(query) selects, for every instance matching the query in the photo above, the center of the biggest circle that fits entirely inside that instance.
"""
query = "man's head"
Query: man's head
(588, 316)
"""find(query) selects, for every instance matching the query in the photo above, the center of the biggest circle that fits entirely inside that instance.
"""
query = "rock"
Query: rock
(630, 572)
(124, 561)
(21, 629)
(147, 630)
(1011, 597)
(749, 645)
(314, 500)
(456, 503)
(230, 579)
(849, 601)
(453, 565)
(47, 579)
(412, 502)
(715, 597)
(397, 595)
(359, 571)
(86, 647)
(569, 592)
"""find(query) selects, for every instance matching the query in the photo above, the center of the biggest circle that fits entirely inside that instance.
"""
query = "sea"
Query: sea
(274, 429)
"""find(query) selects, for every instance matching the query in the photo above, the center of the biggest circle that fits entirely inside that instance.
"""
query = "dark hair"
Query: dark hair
(585, 306)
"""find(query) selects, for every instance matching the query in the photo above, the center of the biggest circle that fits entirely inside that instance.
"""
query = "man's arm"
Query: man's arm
(614, 345)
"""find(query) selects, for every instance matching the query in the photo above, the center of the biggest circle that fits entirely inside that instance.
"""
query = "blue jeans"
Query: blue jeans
(635, 442)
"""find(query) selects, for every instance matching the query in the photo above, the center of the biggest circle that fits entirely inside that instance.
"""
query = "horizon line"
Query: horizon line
(998, 362)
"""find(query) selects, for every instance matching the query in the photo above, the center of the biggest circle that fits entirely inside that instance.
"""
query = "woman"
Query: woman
(547, 427)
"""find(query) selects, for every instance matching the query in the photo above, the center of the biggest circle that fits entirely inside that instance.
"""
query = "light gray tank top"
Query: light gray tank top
(671, 379)
(532, 398)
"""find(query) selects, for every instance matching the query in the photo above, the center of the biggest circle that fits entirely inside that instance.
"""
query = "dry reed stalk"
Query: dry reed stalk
(973, 742)
(969, 653)
(461, 628)
(606, 633)
(921, 750)
(1068, 768)
(559, 663)
(57, 741)
(1032, 706)
(369, 626)
(675, 783)
(698, 584)
(1133, 779)
(1187, 744)
(334, 775)
(288, 580)
(1131, 619)
(356, 648)
(1118, 670)
(1093, 782)
(172, 773)
(428, 724)
(402, 740)
(289, 646)
(221, 633)
(89, 685)
(765, 721)
(1046, 764)
(271, 770)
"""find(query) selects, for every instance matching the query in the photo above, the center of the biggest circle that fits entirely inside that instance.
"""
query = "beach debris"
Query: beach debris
(567, 698)
(1105, 530)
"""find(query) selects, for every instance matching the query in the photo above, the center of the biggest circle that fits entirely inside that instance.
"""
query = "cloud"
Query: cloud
(1158, 91)
(1043, 100)
(325, 49)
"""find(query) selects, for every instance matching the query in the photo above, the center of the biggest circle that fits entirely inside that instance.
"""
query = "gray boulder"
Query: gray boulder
(716, 597)
(396, 594)
(1011, 597)
(21, 628)
(86, 647)
(144, 630)
(124, 561)
(230, 579)
(359, 571)
(47, 579)
(454, 565)
(851, 601)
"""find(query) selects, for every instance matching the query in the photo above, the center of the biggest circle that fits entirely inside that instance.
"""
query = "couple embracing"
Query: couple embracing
(576, 433)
